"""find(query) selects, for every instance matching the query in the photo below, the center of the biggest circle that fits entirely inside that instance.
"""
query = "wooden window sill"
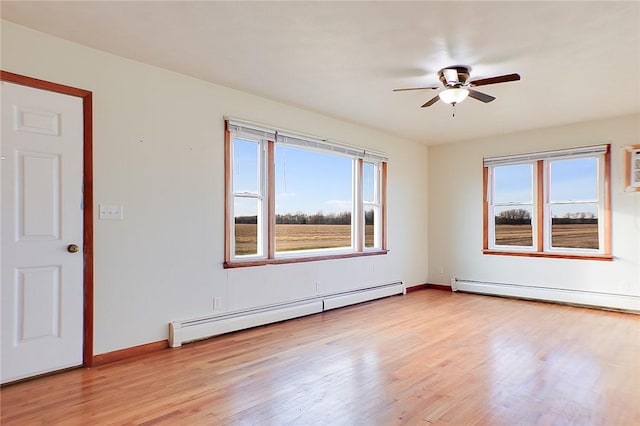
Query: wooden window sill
(285, 260)
(604, 257)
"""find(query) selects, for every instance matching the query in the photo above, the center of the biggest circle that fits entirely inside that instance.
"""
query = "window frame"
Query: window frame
(534, 208)
(293, 254)
(548, 204)
(376, 205)
(267, 176)
(260, 196)
(541, 215)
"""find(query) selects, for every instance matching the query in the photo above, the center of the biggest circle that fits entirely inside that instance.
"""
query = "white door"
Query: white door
(41, 215)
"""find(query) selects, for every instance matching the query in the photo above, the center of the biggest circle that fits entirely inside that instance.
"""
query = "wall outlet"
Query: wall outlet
(217, 303)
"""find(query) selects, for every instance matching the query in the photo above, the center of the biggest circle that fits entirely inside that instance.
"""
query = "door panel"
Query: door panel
(38, 304)
(38, 196)
(41, 214)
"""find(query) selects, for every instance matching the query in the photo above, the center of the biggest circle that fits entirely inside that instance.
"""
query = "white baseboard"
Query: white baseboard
(577, 297)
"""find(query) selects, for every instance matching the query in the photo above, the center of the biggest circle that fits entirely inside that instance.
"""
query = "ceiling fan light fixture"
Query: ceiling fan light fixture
(453, 95)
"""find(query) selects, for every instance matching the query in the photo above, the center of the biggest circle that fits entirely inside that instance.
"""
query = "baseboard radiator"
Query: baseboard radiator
(575, 297)
(204, 327)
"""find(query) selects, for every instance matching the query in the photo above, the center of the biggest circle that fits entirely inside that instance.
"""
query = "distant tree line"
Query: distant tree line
(299, 218)
(513, 217)
(247, 220)
(320, 218)
(523, 217)
(574, 220)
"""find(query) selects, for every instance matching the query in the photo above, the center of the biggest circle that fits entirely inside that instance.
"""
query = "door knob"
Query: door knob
(73, 248)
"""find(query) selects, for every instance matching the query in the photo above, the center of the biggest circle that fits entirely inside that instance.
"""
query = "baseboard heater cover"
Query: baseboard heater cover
(577, 297)
(338, 301)
(204, 327)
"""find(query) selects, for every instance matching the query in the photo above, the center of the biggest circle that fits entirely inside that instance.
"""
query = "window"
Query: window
(632, 168)
(513, 205)
(294, 198)
(553, 204)
(371, 199)
(314, 200)
(248, 197)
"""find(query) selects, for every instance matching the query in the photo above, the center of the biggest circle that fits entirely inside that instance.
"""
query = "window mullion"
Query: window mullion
(271, 197)
(540, 209)
(358, 210)
(593, 201)
(383, 205)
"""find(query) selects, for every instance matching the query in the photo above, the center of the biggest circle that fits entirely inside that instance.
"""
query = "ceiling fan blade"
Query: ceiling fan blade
(431, 102)
(483, 97)
(451, 75)
(493, 80)
(416, 88)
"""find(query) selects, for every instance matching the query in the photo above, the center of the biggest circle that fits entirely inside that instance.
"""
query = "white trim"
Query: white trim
(302, 253)
(535, 156)
(578, 297)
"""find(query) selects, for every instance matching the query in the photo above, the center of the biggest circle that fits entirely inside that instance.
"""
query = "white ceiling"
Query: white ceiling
(578, 60)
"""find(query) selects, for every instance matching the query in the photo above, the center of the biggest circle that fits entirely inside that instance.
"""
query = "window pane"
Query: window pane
(513, 184)
(574, 226)
(513, 226)
(313, 199)
(246, 162)
(369, 182)
(573, 180)
(369, 228)
(246, 225)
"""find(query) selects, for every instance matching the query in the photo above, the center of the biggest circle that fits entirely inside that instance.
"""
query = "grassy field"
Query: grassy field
(306, 237)
(514, 235)
(300, 237)
(563, 235)
(575, 236)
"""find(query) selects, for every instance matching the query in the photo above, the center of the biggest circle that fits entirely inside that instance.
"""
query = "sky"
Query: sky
(311, 181)
(306, 181)
(570, 180)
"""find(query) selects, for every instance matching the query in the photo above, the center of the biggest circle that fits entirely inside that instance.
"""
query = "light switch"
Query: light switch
(110, 211)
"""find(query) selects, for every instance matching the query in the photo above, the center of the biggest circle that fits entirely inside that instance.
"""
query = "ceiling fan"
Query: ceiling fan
(457, 86)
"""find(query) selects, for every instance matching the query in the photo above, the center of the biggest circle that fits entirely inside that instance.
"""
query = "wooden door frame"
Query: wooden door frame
(87, 196)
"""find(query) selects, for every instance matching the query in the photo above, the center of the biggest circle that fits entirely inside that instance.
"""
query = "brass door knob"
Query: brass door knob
(73, 248)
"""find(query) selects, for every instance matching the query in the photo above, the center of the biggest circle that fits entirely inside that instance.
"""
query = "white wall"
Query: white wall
(455, 213)
(158, 150)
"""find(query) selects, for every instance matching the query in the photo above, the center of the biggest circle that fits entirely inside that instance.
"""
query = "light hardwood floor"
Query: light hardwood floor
(430, 357)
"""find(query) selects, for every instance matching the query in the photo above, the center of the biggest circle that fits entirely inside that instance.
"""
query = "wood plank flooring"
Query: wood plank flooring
(427, 358)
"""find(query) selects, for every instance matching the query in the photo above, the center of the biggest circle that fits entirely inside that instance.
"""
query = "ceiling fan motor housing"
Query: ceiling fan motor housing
(462, 72)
